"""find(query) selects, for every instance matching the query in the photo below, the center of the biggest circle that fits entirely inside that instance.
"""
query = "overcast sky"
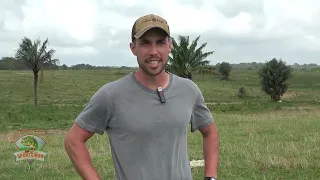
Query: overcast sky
(98, 31)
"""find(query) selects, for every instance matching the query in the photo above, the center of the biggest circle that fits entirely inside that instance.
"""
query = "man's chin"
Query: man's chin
(153, 72)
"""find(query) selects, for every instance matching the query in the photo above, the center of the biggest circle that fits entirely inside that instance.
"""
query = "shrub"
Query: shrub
(224, 69)
(241, 92)
(273, 76)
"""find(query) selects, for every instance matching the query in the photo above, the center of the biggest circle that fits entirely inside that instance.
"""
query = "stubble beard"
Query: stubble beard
(143, 66)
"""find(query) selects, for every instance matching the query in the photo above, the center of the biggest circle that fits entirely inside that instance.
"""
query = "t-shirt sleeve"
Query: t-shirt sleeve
(201, 115)
(96, 114)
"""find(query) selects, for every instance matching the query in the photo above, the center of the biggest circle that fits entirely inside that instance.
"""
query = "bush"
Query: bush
(224, 69)
(241, 92)
(273, 76)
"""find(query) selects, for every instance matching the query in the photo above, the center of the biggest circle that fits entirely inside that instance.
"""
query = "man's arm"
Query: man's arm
(75, 145)
(202, 120)
(211, 149)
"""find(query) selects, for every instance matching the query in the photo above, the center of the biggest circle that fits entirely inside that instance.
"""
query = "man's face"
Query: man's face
(152, 51)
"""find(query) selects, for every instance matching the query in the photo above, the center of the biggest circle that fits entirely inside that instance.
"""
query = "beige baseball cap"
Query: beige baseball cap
(147, 22)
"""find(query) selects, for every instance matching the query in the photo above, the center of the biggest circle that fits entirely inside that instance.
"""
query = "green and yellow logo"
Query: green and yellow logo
(29, 146)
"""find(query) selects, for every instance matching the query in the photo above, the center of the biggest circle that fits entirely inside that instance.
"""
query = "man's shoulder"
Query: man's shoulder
(113, 86)
(185, 83)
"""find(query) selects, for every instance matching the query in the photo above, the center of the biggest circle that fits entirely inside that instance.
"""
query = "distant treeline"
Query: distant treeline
(255, 65)
(9, 63)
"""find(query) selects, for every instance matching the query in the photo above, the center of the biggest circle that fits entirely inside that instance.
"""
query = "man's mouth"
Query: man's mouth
(153, 62)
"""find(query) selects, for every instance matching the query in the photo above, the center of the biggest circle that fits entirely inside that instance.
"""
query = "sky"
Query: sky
(97, 32)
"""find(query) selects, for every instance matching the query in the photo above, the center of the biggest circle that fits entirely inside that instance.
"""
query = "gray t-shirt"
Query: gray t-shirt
(148, 138)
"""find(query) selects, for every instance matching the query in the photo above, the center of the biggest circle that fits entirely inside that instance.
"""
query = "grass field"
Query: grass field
(259, 139)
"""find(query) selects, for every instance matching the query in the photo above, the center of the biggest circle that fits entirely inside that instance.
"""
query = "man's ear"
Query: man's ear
(170, 45)
(133, 48)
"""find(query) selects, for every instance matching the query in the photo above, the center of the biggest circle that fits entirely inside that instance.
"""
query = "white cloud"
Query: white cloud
(98, 31)
(124, 2)
(73, 17)
(12, 22)
(76, 51)
(185, 18)
(241, 24)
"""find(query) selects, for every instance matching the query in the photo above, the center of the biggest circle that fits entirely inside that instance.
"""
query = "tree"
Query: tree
(224, 70)
(186, 58)
(34, 55)
(273, 76)
(64, 67)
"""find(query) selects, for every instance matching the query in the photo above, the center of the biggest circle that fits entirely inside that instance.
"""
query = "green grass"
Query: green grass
(259, 139)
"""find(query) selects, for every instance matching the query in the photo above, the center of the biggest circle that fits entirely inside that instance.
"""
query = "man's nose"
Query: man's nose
(153, 49)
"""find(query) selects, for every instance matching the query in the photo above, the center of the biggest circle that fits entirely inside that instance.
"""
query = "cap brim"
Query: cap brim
(141, 33)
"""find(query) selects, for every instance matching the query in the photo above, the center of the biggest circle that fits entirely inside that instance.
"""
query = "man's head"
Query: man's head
(151, 43)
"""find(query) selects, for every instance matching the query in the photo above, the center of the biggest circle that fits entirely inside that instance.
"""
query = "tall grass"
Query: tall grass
(259, 139)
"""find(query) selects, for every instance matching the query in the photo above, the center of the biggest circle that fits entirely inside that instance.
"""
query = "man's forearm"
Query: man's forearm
(79, 155)
(211, 154)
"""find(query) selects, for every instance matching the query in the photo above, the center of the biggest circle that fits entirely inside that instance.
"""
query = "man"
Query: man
(146, 115)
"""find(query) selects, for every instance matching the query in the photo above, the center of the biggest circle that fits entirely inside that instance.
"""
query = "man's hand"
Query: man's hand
(78, 153)
(211, 150)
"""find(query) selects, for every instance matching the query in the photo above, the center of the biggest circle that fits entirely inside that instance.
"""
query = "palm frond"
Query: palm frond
(186, 58)
(34, 54)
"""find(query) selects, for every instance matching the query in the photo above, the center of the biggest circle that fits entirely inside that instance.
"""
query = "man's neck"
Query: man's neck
(153, 82)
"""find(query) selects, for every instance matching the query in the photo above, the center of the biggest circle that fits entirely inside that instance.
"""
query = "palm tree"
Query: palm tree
(33, 54)
(186, 58)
